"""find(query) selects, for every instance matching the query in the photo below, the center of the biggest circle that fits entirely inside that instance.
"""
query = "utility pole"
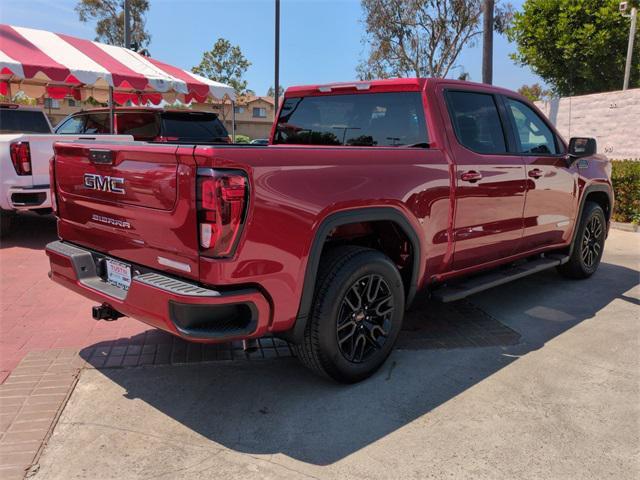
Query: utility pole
(127, 25)
(487, 41)
(276, 86)
(632, 34)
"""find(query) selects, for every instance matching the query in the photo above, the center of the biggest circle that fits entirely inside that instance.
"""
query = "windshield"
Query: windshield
(363, 120)
(193, 127)
(23, 121)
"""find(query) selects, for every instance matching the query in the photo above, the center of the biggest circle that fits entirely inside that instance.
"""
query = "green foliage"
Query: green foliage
(421, 38)
(577, 46)
(534, 92)
(109, 17)
(242, 138)
(625, 177)
(18, 99)
(272, 91)
(224, 63)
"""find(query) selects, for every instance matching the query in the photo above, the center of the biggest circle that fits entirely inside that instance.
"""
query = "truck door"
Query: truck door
(551, 198)
(490, 178)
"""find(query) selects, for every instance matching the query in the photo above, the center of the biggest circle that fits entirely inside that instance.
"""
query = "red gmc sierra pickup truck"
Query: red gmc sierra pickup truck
(368, 193)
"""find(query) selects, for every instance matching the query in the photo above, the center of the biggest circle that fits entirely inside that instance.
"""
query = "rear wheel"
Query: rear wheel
(356, 315)
(588, 243)
(6, 219)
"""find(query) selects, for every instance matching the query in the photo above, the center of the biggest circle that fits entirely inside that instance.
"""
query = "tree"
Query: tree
(272, 91)
(109, 17)
(421, 38)
(534, 92)
(576, 46)
(224, 63)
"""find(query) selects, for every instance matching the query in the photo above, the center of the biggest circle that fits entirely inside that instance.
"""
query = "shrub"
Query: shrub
(625, 177)
(242, 139)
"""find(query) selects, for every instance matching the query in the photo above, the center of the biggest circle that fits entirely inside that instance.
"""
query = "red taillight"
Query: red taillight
(21, 157)
(222, 207)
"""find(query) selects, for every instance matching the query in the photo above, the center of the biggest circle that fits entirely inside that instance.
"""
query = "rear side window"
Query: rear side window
(140, 125)
(97, 123)
(23, 121)
(357, 120)
(476, 121)
(197, 128)
(534, 135)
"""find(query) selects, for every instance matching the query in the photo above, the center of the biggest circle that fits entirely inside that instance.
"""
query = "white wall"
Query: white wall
(612, 118)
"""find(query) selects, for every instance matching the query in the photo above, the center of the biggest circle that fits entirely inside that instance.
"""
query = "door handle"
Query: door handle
(536, 173)
(471, 176)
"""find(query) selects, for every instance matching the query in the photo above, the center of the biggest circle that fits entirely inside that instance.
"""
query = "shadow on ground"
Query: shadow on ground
(30, 230)
(279, 407)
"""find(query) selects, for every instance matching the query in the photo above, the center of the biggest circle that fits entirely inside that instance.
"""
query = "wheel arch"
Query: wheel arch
(600, 193)
(321, 235)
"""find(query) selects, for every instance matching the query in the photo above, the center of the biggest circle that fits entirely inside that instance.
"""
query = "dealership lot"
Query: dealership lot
(543, 381)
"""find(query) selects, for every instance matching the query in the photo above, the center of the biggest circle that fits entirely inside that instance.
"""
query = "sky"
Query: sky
(320, 40)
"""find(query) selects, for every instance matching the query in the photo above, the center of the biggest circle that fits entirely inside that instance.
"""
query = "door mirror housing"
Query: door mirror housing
(582, 147)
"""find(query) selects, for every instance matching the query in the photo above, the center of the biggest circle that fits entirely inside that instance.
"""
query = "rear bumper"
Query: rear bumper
(29, 198)
(181, 308)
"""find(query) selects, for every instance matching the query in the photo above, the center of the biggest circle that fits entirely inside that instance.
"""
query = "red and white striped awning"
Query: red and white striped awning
(38, 62)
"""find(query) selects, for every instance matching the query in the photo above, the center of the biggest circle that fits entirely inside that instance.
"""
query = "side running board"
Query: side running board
(468, 286)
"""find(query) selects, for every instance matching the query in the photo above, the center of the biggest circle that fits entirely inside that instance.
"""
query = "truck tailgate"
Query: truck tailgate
(121, 200)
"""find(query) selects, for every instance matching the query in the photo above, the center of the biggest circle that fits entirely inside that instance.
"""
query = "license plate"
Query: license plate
(118, 274)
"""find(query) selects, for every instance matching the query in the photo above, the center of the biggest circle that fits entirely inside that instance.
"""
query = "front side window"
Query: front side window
(73, 125)
(534, 135)
(97, 123)
(357, 120)
(476, 121)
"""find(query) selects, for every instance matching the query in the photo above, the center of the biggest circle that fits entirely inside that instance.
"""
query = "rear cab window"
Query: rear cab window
(193, 127)
(13, 120)
(355, 120)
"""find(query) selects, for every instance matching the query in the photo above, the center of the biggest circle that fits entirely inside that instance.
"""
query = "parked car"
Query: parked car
(26, 146)
(260, 141)
(149, 125)
(368, 193)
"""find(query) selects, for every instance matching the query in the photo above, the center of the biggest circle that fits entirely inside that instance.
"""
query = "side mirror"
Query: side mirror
(582, 146)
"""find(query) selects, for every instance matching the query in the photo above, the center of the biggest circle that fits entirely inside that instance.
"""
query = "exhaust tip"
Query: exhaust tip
(105, 312)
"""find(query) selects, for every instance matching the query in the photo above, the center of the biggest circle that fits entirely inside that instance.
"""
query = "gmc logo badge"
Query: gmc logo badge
(104, 183)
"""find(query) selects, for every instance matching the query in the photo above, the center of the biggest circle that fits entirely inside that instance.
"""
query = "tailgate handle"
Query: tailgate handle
(103, 157)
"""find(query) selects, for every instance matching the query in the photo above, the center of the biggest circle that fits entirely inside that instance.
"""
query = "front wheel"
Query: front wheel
(356, 315)
(588, 243)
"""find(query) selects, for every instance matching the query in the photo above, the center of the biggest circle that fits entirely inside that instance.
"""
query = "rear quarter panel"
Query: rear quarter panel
(294, 188)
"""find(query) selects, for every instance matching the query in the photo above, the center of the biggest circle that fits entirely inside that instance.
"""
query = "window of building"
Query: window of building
(259, 112)
(360, 120)
(534, 135)
(51, 103)
(72, 102)
(476, 121)
(239, 109)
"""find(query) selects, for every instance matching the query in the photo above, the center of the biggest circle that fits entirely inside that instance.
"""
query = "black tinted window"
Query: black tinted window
(372, 119)
(140, 125)
(533, 134)
(476, 121)
(193, 127)
(97, 123)
(23, 121)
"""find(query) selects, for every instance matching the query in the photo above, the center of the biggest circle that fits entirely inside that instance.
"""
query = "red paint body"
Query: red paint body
(463, 227)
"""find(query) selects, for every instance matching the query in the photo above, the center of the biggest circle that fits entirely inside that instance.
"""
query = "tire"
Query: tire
(356, 314)
(586, 251)
(6, 219)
